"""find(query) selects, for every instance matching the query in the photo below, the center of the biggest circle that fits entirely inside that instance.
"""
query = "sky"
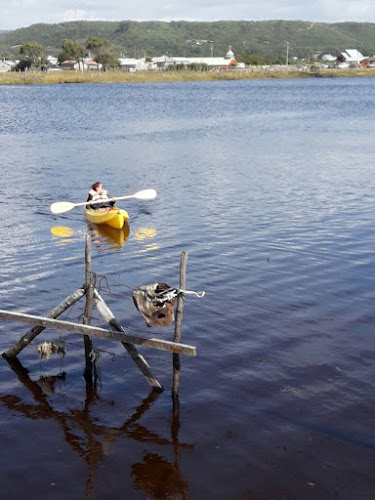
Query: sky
(22, 13)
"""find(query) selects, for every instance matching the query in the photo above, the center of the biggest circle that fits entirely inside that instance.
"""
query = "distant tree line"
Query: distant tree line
(34, 55)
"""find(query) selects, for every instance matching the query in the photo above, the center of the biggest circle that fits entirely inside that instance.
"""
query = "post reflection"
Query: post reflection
(91, 439)
(157, 477)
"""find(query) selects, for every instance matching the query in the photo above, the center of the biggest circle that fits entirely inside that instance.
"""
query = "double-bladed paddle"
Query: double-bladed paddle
(60, 207)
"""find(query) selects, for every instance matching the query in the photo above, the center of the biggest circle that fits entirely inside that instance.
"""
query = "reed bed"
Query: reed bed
(254, 73)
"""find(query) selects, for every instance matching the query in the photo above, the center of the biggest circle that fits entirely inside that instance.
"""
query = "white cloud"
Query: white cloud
(21, 13)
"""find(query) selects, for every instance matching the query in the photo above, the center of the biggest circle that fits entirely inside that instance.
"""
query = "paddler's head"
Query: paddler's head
(98, 187)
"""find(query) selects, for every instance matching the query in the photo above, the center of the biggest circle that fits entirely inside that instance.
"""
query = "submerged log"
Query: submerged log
(36, 330)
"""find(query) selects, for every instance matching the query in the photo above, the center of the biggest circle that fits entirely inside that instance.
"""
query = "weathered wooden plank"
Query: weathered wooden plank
(36, 330)
(163, 345)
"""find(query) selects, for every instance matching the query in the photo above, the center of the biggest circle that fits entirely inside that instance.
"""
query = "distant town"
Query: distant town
(33, 58)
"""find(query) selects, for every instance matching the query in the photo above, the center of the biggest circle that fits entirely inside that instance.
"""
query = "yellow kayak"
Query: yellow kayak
(114, 217)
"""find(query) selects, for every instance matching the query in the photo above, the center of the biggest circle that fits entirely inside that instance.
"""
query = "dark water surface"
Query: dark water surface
(269, 186)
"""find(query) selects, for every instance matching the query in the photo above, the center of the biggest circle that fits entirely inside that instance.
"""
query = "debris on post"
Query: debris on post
(155, 303)
(46, 349)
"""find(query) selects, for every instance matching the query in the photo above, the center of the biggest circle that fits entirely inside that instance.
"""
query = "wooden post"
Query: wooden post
(89, 287)
(31, 334)
(132, 350)
(177, 331)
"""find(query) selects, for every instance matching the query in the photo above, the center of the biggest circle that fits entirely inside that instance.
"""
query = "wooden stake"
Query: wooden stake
(89, 286)
(31, 334)
(178, 326)
(137, 358)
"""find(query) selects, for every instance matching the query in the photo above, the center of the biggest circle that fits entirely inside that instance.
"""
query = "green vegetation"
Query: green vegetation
(102, 51)
(258, 39)
(40, 77)
(33, 50)
(33, 55)
(71, 50)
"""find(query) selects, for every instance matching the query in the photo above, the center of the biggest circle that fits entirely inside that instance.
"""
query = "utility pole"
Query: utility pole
(287, 52)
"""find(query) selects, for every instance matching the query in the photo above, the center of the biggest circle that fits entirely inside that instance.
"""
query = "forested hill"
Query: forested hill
(183, 38)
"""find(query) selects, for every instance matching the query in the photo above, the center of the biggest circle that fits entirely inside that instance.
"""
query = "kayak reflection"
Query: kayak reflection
(102, 235)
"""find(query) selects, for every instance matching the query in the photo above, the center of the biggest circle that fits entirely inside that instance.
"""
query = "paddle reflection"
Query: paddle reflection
(108, 238)
(91, 439)
(62, 235)
(146, 236)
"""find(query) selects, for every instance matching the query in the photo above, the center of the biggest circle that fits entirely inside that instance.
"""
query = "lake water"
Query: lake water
(269, 186)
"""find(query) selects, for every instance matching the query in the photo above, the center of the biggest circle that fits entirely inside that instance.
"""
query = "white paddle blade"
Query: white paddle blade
(61, 206)
(146, 194)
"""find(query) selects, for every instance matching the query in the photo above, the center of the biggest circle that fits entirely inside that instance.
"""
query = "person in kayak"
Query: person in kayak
(99, 194)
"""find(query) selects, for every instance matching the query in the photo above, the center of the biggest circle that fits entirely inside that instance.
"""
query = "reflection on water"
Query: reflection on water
(109, 238)
(62, 231)
(159, 478)
(143, 234)
(49, 382)
(92, 439)
(156, 476)
(103, 236)
(62, 235)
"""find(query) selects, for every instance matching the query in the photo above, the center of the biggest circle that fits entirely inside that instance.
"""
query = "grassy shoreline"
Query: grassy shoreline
(41, 78)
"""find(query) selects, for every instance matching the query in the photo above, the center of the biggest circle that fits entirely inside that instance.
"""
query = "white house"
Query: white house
(349, 57)
(6, 66)
(328, 58)
(85, 65)
(90, 65)
(52, 60)
(163, 62)
(131, 64)
(69, 64)
(212, 63)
